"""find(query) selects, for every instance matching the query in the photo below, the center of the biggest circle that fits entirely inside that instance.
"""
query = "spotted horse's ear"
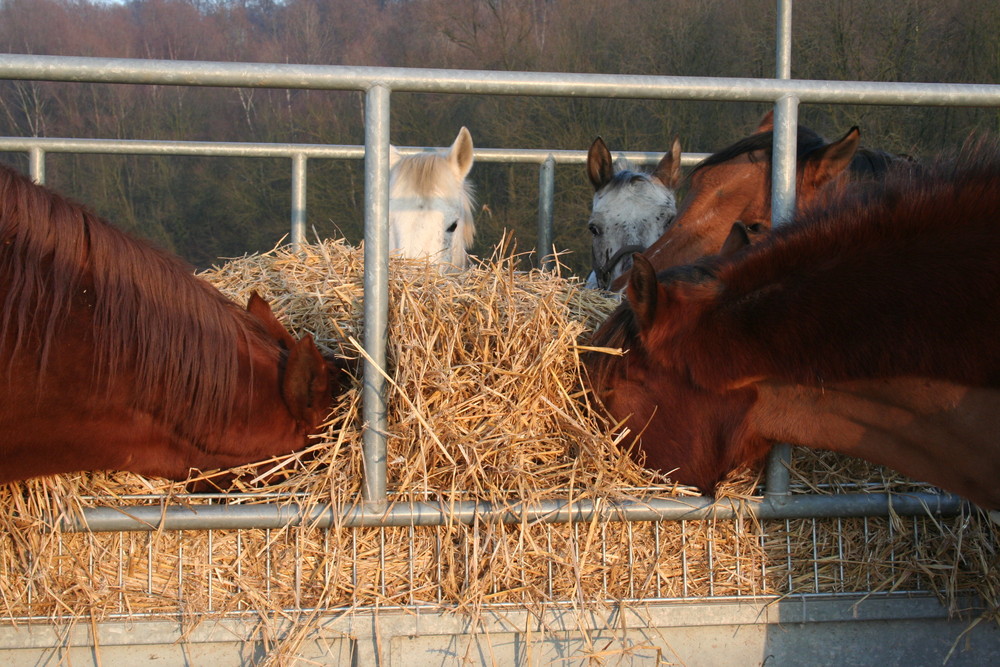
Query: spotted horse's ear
(600, 166)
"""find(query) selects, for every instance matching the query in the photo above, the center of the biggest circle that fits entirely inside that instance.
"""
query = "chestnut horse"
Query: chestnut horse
(870, 326)
(735, 185)
(116, 357)
(631, 209)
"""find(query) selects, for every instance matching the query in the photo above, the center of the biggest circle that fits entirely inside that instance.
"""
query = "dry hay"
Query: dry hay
(485, 404)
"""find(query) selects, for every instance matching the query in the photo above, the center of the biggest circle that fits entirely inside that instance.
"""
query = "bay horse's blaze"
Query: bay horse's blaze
(869, 326)
(631, 208)
(735, 185)
(116, 357)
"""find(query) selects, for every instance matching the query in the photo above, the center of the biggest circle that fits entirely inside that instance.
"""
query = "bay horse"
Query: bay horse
(734, 184)
(430, 203)
(869, 326)
(116, 357)
(631, 208)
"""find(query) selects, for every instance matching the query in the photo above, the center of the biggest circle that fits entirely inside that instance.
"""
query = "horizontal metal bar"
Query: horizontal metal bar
(273, 515)
(191, 148)
(398, 79)
(287, 150)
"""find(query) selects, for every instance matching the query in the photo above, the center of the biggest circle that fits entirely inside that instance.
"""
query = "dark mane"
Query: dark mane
(866, 162)
(807, 141)
(148, 308)
(878, 262)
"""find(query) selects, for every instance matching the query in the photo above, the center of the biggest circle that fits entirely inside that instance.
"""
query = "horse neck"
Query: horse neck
(936, 431)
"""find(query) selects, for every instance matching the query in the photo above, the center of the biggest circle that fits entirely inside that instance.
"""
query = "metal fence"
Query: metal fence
(299, 154)
(378, 85)
(209, 577)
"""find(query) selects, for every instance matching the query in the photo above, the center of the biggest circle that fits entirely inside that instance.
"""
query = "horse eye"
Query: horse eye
(452, 227)
(594, 229)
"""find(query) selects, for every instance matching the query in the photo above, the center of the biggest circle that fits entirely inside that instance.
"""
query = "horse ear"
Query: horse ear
(825, 164)
(461, 153)
(643, 291)
(394, 156)
(739, 238)
(766, 123)
(261, 309)
(599, 164)
(668, 171)
(306, 383)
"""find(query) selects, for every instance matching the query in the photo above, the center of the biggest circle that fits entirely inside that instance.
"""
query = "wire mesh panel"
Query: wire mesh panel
(293, 570)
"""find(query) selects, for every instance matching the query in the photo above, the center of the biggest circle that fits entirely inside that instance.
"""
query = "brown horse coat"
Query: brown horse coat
(115, 356)
(870, 326)
(734, 185)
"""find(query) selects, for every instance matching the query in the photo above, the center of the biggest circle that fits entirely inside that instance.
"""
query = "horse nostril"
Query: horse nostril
(594, 229)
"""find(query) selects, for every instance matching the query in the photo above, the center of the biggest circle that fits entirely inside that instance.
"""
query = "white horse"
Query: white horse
(430, 203)
(631, 210)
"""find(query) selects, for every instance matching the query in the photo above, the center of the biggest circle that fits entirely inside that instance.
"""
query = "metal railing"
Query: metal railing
(379, 84)
(38, 148)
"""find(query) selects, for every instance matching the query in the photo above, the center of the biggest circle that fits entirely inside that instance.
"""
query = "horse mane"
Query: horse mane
(427, 175)
(909, 258)
(866, 162)
(149, 313)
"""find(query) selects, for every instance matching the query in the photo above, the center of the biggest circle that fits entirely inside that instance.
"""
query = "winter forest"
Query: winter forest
(207, 208)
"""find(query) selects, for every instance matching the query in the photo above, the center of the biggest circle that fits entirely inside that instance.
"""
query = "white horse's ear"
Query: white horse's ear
(394, 156)
(460, 154)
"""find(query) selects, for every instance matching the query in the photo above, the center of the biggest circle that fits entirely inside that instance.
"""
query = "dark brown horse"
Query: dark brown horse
(735, 185)
(116, 357)
(869, 326)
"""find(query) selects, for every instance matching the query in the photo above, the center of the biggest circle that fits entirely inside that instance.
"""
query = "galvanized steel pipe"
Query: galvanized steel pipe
(398, 79)
(274, 516)
(546, 197)
(376, 283)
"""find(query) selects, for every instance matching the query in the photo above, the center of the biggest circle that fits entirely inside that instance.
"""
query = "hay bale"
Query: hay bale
(486, 403)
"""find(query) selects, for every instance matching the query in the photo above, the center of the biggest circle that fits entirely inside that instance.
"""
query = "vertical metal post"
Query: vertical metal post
(376, 285)
(36, 165)
(783, 172)
(783, 169)
(298, 235)
(546, 197)
(784, 37)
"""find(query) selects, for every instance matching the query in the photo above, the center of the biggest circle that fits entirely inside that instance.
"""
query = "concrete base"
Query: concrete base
(800, 631)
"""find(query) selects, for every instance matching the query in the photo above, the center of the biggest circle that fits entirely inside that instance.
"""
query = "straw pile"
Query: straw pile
(486, 403)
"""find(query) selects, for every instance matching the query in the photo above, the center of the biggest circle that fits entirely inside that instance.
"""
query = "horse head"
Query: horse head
(430, 203)
(694, 433)
(119, 358)
(308, 382)
(735, 184)
(631, 208)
